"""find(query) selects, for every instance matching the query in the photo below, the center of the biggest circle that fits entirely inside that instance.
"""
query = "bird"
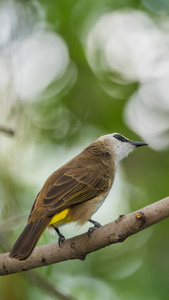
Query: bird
(75, 191)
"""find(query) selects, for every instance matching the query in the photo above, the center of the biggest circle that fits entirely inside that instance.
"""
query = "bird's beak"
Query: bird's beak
(139, 144)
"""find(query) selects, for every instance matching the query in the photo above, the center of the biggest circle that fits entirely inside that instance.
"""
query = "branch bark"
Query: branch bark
(80, 246)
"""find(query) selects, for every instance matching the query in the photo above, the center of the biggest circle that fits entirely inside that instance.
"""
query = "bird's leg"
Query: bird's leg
(91, 229)
(61, 236)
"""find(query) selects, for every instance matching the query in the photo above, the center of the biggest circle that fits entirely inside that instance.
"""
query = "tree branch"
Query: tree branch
(80, 246)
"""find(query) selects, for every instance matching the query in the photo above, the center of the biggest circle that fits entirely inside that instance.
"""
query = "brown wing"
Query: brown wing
(75, 186)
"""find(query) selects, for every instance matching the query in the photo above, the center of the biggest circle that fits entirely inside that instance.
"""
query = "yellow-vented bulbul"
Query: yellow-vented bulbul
(74, 192)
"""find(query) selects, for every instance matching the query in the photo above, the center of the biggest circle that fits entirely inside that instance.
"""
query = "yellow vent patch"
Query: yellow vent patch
(60, 217)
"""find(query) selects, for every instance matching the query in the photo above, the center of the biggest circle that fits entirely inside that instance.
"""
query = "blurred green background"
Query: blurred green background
(71, 71)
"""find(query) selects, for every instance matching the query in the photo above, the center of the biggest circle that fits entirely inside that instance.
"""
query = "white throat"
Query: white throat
(121, 150)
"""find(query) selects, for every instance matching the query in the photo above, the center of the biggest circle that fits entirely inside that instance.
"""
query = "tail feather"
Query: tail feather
(28, 239)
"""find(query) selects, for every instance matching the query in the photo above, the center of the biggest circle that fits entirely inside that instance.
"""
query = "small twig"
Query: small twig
(7, 130)
(80, 246)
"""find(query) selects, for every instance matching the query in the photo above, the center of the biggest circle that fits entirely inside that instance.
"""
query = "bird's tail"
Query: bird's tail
(28, 239)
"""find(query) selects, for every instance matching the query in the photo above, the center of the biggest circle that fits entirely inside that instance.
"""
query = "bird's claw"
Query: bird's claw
(61, 236)
(91, 229)
(61, 240)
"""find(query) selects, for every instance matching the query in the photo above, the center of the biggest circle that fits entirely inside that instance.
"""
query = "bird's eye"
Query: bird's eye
(120, 137)
(117, 136)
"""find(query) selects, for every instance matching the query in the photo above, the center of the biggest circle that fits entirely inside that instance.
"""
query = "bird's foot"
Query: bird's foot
(91, 229)
(61, 240)
(61, 237)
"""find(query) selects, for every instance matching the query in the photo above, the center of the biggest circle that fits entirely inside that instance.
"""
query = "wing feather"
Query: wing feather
(75, 186)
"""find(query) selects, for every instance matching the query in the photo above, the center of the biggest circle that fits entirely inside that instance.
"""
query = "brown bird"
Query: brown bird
(74, 192)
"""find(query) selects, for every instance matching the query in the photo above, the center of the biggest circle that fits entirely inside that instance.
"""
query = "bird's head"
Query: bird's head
(122, 146)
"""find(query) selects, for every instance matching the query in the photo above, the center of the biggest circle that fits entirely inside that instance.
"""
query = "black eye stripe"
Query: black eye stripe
(121, 138)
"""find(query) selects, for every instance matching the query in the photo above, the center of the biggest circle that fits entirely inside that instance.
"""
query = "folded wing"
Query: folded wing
(75, 187)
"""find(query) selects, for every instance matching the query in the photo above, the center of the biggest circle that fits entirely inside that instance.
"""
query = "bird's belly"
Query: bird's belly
(82, 212)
